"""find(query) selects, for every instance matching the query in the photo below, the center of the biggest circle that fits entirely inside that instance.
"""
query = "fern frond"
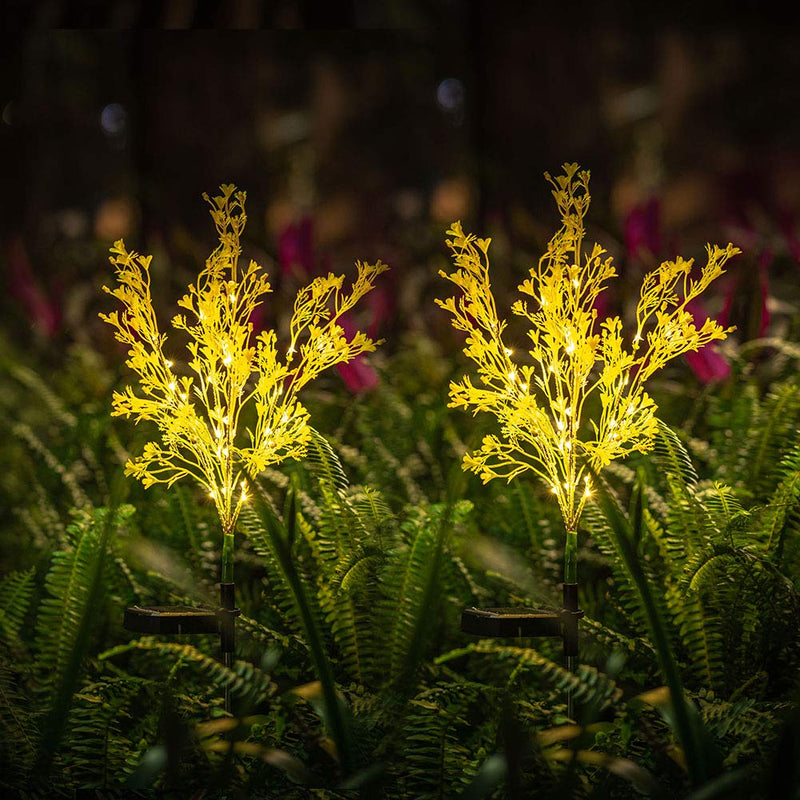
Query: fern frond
(258, 632)
(97, 749)
(700, 636)
(407, 582)
(242, 678)
(61, 612)
(322, 462)
(19, 729)
(436, 759)
(672, 456)
(783, 509)
(747, 729)
(68, 473)
(587, 684)
(16, 590)
(778, 420)
(625, 594)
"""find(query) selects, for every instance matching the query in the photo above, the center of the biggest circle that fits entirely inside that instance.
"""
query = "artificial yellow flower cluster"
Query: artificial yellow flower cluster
(570, 358)
(199, 416)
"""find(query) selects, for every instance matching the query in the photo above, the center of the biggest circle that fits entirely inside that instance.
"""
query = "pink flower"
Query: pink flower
(297, 257)
(296, 248)
(357, 374)
(44, 313)
(642, 230)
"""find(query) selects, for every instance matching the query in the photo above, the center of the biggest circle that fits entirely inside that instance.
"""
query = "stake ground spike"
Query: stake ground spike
(227, 629)
(531, 623)
(182, 620)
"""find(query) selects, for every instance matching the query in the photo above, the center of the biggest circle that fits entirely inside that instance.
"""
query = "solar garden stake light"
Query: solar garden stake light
(198, 414)
(544, 424)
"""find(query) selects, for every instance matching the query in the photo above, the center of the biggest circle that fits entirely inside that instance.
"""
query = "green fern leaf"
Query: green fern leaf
(242, 678)
(16, 590)
(672, 456)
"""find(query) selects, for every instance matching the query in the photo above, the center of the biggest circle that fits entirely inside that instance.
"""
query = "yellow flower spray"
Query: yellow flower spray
(540, 405)
(198, 416)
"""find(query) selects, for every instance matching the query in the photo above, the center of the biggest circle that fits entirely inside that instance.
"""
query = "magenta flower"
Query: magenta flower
(43, 313)
(297, 258)
(642, 230)
(296, 249)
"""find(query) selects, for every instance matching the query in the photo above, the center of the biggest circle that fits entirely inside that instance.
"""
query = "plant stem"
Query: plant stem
(227, 556)
(570, 607)
(571, 557)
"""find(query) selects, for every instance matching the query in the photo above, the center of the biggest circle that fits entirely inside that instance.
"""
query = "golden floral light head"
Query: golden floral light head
(198, 414)
(540, 405)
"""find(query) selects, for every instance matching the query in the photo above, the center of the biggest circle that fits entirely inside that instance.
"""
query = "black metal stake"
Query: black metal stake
(178, 620)
(227, 629)
(570, 614)
(531, 623)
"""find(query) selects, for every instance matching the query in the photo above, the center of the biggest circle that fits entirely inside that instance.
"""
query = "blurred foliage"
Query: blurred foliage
(352, 570)
(351, 677)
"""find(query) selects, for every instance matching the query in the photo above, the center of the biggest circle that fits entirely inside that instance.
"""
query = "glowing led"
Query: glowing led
(169, 364)
(566, 331)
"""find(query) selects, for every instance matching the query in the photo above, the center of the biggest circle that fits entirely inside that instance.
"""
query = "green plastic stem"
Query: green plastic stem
(571, 557)
(227, 556)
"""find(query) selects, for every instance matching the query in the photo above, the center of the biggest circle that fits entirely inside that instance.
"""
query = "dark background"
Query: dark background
(367, 142)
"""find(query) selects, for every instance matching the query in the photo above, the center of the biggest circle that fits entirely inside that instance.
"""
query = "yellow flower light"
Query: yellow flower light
(228, 367)
(572, 355)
